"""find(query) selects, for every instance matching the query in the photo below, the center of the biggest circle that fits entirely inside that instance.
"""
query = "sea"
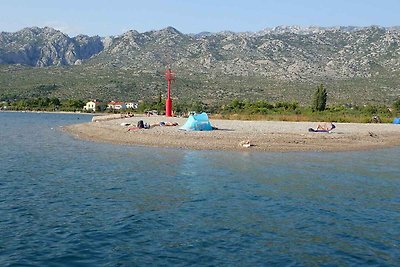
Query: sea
(69, 202)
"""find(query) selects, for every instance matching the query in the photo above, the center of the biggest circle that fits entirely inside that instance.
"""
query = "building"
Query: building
(116, 105)
(94, 105)
(91, 106)
(132, 105)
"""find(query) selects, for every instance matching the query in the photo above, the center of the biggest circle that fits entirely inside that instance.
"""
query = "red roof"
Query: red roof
(116, 103)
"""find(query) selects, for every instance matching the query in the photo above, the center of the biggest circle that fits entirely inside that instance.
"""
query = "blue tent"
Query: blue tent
(396, 120)
(197, 122)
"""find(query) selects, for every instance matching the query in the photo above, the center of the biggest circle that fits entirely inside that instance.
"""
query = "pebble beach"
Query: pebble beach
(234, 135)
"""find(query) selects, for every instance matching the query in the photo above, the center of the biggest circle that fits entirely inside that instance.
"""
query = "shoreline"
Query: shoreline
(231, 135)
(47, 112)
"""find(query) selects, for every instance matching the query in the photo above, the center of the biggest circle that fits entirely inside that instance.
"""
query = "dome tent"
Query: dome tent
(197, 122)
(396, 121)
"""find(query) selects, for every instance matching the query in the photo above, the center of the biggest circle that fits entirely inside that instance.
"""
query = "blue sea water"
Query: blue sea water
(67, 202)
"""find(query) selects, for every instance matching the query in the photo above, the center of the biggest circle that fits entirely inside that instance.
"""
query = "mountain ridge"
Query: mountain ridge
(284, 54)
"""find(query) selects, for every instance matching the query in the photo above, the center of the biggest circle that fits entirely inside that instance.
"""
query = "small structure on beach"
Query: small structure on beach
(197, 122)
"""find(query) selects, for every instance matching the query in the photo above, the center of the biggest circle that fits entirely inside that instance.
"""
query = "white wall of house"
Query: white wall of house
(131, 105)
(90, 106)
(120, 106)
(116, 105)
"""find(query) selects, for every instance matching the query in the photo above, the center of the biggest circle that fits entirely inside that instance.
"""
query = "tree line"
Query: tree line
(45, 104)
(318, 107)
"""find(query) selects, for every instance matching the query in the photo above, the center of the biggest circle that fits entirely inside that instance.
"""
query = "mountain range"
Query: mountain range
(357, 64)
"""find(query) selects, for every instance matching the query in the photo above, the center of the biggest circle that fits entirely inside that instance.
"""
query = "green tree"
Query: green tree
(101, 106)
(319, 100)
(236, 105)
(55, 102)
(159, 97)
(72, 104)
(396, 105)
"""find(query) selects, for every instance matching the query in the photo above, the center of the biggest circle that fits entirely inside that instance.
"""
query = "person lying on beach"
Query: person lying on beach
(168, 123)
(142, 125)
(326, 127)
(127, 115)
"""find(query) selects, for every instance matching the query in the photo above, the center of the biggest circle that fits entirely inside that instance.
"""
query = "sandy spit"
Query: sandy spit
(232, 135)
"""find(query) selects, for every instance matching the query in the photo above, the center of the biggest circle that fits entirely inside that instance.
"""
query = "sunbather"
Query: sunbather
(140, 125)
(325, 127)
(127, 115)
(162, 123)
(168, 123)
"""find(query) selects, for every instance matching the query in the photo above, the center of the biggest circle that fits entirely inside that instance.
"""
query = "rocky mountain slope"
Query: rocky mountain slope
(42, 47)
(279, 56)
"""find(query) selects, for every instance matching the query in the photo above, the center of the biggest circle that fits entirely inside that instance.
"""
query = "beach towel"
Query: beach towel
(318, 131)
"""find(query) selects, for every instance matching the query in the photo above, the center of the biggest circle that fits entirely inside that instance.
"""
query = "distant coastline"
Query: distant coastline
(50, 112)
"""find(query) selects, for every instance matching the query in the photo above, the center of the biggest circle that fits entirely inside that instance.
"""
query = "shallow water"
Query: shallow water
(67, 202)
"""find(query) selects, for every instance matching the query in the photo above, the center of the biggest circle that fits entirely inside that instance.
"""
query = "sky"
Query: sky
(114, 17)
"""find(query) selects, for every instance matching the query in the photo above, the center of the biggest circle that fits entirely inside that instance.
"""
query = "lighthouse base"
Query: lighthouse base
(168, 107)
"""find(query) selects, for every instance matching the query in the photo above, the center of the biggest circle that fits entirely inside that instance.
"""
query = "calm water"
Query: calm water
(66, 202)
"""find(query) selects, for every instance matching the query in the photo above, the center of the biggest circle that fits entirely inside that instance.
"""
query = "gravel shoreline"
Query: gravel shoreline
(233, 135)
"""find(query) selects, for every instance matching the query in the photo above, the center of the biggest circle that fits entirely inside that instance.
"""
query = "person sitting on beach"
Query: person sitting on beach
(140, 125)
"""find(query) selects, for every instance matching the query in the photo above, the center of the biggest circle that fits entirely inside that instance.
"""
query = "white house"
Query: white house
(90, 106)
(116, 105)
(131, 105)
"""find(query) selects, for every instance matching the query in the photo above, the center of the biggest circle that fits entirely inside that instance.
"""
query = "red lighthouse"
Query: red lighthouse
(169, 76)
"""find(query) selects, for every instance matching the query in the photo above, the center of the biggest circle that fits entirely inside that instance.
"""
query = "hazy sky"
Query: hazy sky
(113, 17)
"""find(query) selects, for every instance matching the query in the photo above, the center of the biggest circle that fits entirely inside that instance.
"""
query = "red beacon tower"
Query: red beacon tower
(169, 76)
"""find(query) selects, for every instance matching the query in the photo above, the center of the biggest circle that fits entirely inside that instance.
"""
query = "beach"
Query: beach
(234, 135)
